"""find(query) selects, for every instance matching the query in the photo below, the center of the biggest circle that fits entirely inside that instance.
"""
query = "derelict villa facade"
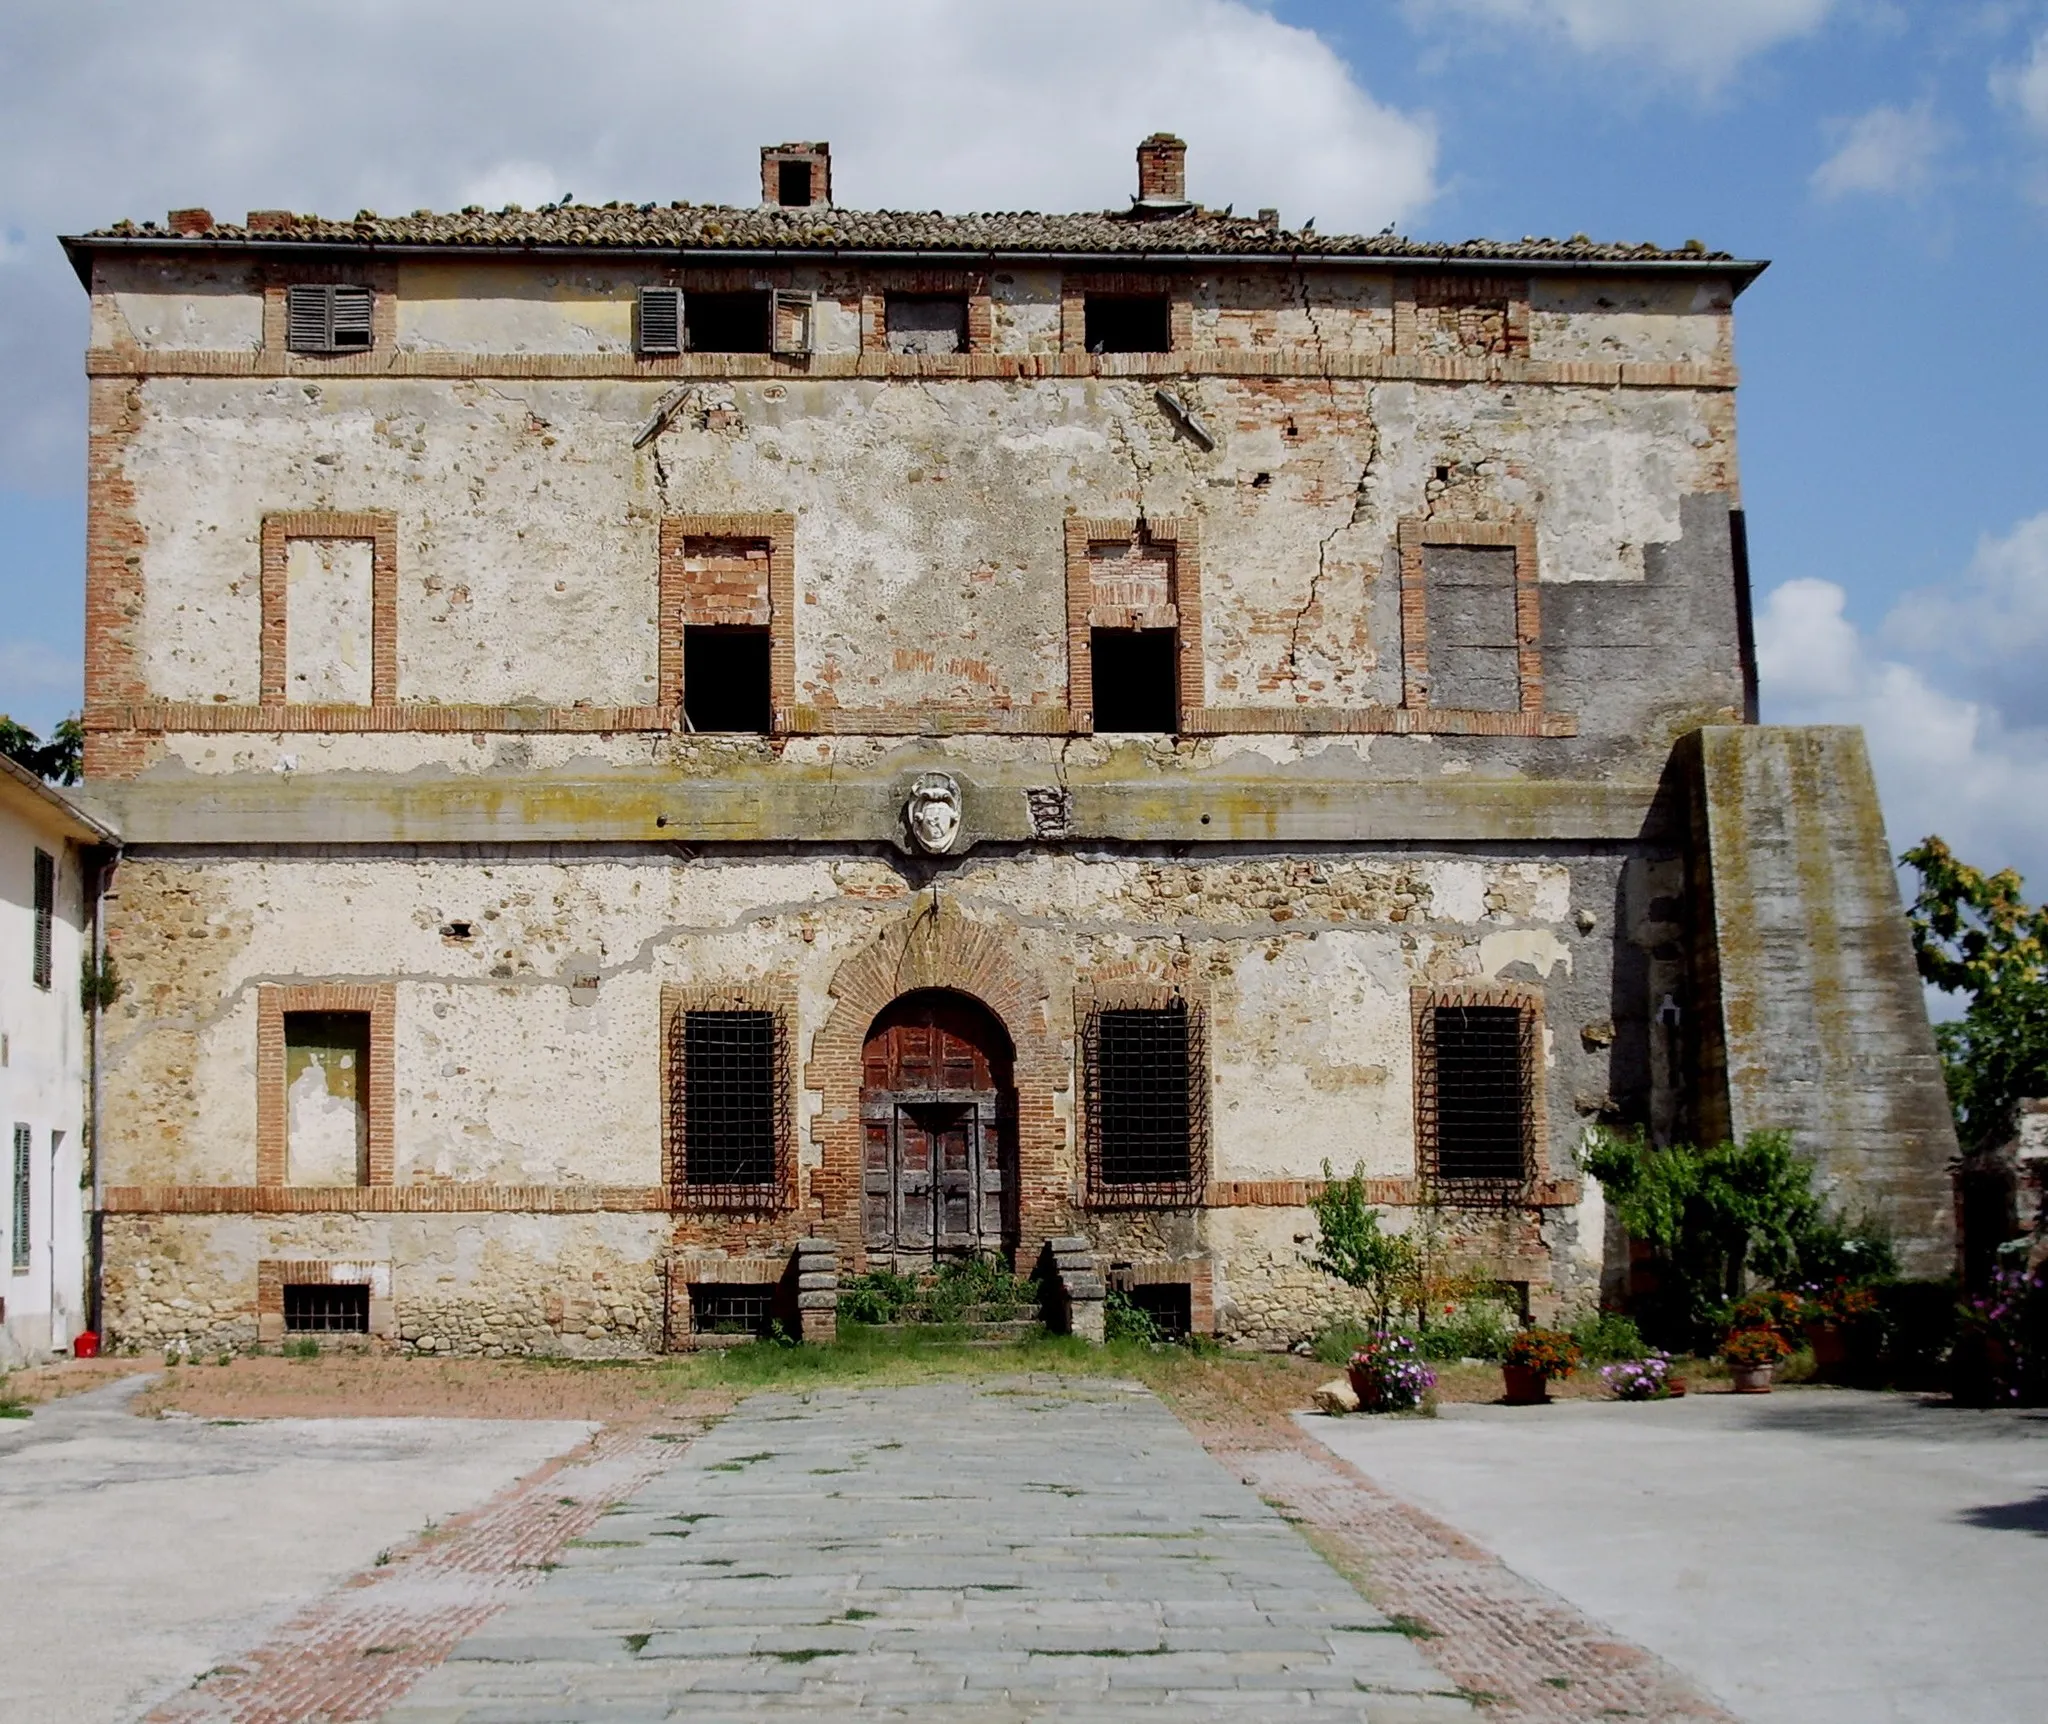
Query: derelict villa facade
(645, 735)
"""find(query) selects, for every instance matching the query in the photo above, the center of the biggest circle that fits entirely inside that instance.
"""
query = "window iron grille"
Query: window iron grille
(1170, 1305)
(1147, 1094)
(23, 1140)
(327, 1309)
(729, 1083)
(1476, 1099)
(732, 1308)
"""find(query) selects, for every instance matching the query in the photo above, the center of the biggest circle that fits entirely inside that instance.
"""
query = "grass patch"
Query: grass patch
(858, 1615)
(740, 1463)
(637, 1642)
(604, 1544)
(805, 1654)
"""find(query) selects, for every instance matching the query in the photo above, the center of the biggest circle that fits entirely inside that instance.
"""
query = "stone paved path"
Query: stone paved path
(1030, 1550)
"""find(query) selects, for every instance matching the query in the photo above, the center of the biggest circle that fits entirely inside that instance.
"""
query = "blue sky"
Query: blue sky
(1890, 159)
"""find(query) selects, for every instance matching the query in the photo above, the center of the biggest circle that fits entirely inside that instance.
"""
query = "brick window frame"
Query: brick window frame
(275, 1274)
(1415, 535)
(1177, 290)
(970, 285)
(1527, 1003)
(377, 526)
(273, 1001)
(778, 997)
(380, 278)
(674, 596)
(1108, 993)
(1180, 537)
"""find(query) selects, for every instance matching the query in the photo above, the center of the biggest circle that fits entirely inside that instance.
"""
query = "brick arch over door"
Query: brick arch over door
(938, 946)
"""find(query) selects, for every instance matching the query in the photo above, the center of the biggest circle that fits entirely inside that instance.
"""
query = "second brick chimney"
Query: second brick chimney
(1162, 170)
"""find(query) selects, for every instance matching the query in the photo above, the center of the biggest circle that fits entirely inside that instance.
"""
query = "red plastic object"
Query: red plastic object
(85, 1345)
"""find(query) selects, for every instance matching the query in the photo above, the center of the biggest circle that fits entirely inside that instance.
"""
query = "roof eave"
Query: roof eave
(57, 807)
(81, 247)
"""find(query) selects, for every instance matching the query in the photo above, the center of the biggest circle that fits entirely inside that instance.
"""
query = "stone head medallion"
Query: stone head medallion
(933, 812)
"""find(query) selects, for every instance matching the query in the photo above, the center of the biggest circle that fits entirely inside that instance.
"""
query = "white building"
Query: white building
(46, 896)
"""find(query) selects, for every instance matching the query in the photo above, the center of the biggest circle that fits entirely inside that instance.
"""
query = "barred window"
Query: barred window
(1147, 1114)
(325, 1309)
(23, 1138)
(732, 1308)
(728, 1106)
(45, 915)
(1476, 1100)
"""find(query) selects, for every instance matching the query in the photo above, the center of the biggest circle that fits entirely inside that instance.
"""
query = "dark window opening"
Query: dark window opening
(45, 868)
(324, 318)
(327, 1310)
(732, 1308)
(729, 1098)
(793, 185)
(1142, 1114)
(1482, 1092)
(1127, 323)
(725, 679)
(926, 323)
(1136, 679)
(1170, 1305)
(729, 322)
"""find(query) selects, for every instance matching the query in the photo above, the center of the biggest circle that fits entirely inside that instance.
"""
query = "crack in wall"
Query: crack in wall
(1360, 510)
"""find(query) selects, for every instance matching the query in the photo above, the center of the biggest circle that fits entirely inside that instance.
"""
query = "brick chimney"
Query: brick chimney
(1162, 170)
(191, 221)
(270, 221)
(796, 176)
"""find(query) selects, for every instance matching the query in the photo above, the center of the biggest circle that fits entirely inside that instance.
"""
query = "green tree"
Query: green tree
(59, 760)
(1975, 935)
(1351, 1246)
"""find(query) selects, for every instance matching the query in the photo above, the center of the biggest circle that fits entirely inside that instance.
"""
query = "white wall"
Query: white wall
(42, 1086)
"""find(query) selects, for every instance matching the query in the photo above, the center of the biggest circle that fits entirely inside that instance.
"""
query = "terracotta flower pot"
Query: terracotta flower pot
(1752, 1379)
(1525, 1387)
(1364, 1384)
(1830, 1344)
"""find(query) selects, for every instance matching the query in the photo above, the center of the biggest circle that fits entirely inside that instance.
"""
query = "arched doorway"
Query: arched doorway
(938, 1112)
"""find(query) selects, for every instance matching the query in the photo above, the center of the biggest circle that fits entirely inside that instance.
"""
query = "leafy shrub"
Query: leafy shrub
(1550, 1353)
(1607, 1337)
(879, 1296)
(1124, 1320)
(1479, 1329)
(2001, 1349)
(1388, 1377)
(1351, 1246)
(945, 1295)
(1768, 1308)
(1644, 1379)
(1336, 1344)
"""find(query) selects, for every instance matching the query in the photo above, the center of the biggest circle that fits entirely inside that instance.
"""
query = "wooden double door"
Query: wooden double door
(938, 1128)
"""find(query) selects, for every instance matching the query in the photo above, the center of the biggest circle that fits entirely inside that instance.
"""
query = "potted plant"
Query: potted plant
(1828, 1315)
(1387, 1377)
(1534, 1359)
(1753, 1356)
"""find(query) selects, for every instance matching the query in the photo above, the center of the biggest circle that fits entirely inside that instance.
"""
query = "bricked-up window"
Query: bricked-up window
(23, 1139)
(729, 1094)
(327, 318)
(44, 867)
(658, 323)
(1146, 1078)
(1136, 674)
(1474, 656)
(725, 679)
(325, 1309)
(730, 322)
(1477, 1093)
(732, 1307)
(1127, 323)
(926, 323)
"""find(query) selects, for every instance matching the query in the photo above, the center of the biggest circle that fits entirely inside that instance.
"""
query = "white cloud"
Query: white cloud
(129, 107)
(2025, 87)
(1945, 762)
(1888, 151)
(1702, 41)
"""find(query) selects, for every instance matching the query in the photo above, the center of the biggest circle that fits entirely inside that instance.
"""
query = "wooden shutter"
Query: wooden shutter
(22, 1141)
(46, 913)
(790, 330)
(350, 325)
(661, 320)
(308, 315)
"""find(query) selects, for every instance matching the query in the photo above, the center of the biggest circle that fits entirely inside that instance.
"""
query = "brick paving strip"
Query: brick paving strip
(1536, 1658)
(348, 1656)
